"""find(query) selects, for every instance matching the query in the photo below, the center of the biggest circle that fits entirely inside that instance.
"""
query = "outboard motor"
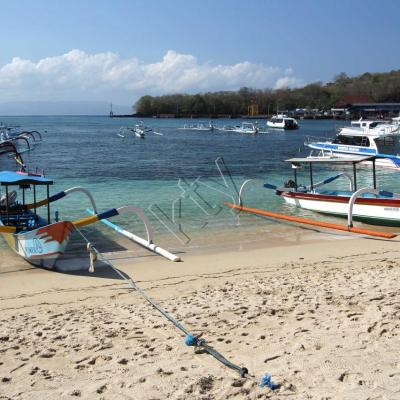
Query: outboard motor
(290, 184)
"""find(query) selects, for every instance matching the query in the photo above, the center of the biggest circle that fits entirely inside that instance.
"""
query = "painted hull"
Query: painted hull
(41, 246)
(375, 211)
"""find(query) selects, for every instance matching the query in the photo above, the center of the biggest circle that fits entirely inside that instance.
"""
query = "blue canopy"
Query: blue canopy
(15, 178)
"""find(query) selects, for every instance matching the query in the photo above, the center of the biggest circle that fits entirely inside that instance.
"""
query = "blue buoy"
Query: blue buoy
(266, 380)
(191, 340)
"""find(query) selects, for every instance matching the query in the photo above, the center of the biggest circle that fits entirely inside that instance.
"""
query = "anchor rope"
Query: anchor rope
(190, 340)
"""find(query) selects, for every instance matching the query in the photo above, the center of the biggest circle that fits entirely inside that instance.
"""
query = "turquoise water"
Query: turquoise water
(172, 175)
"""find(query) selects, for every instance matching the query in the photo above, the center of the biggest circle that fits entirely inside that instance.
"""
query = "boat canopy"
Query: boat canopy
(296, 163)
(15, 178)
(330, 160)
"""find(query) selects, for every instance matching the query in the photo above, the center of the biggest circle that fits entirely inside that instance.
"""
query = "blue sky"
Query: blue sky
(119, 50)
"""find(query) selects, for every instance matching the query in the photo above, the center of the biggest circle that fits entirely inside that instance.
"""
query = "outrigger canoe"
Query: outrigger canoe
(367, 204)
(41, 241)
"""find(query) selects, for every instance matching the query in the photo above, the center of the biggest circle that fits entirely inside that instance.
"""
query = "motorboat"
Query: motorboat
(363, 138)
(366, 204)
(282, 121)
(370, 127)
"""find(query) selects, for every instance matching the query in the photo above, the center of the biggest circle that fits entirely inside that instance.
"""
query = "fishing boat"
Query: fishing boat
(282, 121)
(363, 138)
(246, 127)
(367, 204)
(41, 240)
(140, 130)
(198, 127)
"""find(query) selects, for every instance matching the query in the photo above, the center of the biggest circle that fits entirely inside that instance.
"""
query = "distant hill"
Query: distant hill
(61, 108)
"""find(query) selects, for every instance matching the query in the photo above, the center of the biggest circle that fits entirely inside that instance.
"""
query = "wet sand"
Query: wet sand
(320, 312)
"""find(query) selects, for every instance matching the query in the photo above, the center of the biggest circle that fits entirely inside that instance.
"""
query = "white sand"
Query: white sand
(323, 317)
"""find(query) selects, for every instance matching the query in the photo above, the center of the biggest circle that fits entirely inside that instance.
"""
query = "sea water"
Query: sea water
(180, 178)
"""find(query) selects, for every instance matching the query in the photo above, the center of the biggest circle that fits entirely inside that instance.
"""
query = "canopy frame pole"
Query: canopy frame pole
(34, 199)
(48, 204)
(7, 211)
(311, 178)
(374, 172)
(355, 176)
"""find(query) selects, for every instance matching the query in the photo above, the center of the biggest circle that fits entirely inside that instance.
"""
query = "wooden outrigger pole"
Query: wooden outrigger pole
(264, 213)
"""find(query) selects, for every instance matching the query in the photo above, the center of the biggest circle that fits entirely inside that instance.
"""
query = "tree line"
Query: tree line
(375, 87)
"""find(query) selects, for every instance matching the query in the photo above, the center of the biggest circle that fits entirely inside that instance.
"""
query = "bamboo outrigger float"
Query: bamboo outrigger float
(39, 240)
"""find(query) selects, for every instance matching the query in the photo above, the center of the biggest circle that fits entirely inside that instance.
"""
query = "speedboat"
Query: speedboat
(282, 121)
(367, 204)
(363, 138)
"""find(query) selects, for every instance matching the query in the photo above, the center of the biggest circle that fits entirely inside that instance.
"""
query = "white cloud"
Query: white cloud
(77, 75)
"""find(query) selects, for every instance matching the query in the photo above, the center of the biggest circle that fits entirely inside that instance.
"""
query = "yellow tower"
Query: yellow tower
(252, 109)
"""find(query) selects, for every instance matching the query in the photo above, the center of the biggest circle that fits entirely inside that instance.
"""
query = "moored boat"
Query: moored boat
(363, 138)
(198, 127)
(282, 121)
(246, 127)
(38, 239)
(367, 204)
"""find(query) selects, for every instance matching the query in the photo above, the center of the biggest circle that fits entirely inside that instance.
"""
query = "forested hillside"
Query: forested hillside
(374, 87)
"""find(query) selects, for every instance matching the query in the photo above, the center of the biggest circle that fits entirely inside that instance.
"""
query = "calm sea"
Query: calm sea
(172, 174)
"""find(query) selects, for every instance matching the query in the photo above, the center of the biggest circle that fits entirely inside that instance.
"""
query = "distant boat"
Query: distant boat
(282, 121)
(140, 130)
(246, 127)
(198, 127)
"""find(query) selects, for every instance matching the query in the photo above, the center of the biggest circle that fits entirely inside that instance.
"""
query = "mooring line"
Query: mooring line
(190, 339)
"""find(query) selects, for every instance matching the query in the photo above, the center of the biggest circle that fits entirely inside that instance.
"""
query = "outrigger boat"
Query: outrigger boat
(41, 241)
(367, 204)
(140, 130)
(198, 127)
(246, 127)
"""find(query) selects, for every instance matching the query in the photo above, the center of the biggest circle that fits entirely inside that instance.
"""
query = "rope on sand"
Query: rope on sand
(190, 339)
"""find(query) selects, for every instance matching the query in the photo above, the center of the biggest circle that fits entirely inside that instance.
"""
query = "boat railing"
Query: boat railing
(353, 199)
(86, 192)
(313, 139)
(244, 184)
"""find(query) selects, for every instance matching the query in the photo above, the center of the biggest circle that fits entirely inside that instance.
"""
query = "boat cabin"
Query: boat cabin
(18, 214)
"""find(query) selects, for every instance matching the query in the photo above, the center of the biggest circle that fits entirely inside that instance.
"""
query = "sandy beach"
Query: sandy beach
(322, 316)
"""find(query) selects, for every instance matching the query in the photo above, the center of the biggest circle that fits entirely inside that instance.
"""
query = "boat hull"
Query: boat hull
(42, 246)
(374, 211)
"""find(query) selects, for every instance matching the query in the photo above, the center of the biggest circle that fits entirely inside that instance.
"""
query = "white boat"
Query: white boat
(41, 240)
(198, 127)
(367, 204)
(140, 130)
(282, 121)
(363, 138)
(246, 127)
